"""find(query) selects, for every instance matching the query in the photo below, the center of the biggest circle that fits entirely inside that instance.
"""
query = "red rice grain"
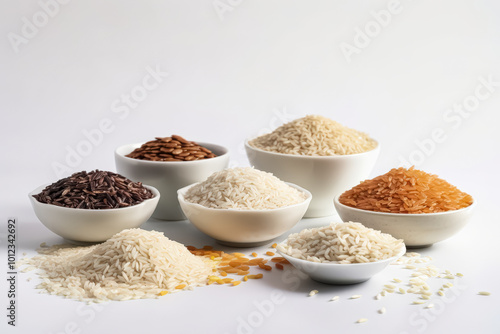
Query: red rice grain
(404, 190)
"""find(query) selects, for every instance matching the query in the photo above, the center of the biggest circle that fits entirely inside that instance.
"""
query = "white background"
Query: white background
(236, 72)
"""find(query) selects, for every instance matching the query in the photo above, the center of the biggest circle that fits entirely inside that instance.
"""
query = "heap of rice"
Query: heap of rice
(243, 188)
(342, 243)
(404, 190)
(316, 136)
(132, 264)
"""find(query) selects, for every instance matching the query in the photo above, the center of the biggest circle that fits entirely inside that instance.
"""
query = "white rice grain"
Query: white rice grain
(313, 292)
(340, 239)
(107, 271)
(244, 188)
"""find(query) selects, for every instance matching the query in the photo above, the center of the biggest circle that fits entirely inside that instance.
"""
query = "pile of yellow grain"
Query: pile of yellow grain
(234, 264)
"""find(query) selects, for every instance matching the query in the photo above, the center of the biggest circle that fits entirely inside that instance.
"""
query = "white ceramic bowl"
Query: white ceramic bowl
(417, 230)
(86, 225)
(325, 177)
(169, 176)
(334, 273)
(244, 228)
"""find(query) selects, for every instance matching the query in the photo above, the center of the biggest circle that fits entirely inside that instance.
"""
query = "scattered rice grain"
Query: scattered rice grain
(313, 292)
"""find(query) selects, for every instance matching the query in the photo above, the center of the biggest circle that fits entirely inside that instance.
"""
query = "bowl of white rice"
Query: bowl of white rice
(243, 207)
(318, 154)
(341, 253)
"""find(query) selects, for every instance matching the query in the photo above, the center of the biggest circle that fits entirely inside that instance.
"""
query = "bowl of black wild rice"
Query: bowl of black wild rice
(93, 206)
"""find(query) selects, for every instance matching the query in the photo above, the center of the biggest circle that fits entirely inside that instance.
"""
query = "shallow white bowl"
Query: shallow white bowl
(417, 230)
(334, 273)
(325, 177)
(244, 228)
(92, 225)
(169, 176)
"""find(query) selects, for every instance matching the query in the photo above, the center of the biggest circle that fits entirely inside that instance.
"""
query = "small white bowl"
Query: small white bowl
(244, 228)
(335, 273)
(325, 177)
(417, 230)
(169, 176)
(87, 225)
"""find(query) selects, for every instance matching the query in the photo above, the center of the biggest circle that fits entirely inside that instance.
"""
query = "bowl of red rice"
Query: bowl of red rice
(409, 204)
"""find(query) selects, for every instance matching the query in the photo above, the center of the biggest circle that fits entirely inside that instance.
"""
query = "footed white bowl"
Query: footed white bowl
(325, 177)
(87, 225)
(417, 230)
(243, 228)
(334, 273)
(169, 176)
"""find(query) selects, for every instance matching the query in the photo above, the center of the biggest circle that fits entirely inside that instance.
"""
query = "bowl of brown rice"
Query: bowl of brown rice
(409, 204)
(169, 174)
(243, 207)
(341, 253)
(318, 154)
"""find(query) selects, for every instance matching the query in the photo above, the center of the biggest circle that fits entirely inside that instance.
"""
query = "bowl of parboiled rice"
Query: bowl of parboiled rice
(409, 204)
(243, 207)
(341, 253)
(318, 154)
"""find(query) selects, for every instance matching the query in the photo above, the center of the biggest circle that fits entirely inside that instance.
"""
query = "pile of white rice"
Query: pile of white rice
(244, 188)
(342, 243)
(316, 136)
(132, 264)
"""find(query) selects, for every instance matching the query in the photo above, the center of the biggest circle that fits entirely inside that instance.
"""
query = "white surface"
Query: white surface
(266, 62)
